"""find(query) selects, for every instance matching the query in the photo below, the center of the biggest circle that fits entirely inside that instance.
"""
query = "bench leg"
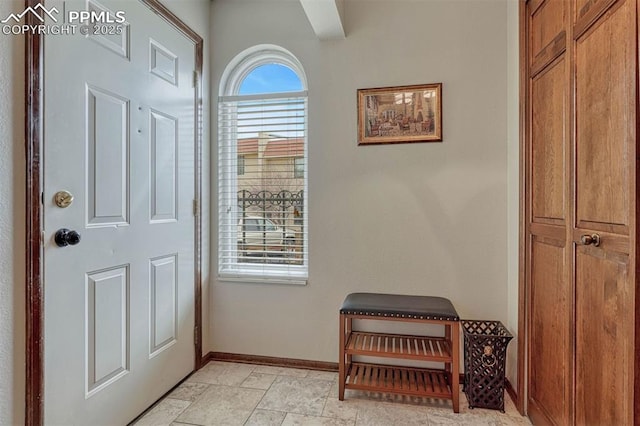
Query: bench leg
(447, 335)
(341, 366)
(455, 366)
(347, 334)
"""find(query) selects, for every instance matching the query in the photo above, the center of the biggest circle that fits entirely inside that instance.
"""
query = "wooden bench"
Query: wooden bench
(424, 382)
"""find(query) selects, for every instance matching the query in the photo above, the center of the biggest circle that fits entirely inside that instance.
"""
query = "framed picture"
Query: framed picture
(400, 114)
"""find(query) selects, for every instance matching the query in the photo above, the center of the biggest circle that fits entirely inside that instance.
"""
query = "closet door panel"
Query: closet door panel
(550, 303)
(605, 182)
(548, 145)
(547, 35)
(605, 121)
(550, 360)
(547, 23)
(604, 351)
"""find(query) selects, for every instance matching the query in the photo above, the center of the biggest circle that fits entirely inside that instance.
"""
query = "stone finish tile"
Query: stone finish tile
(225, 393)
(462, 419)
(515, 420)
(281, 371)
(265, 418)
(480, 417)
(222, 405)
(302, 420)
(222, 373)
(509, 406)
(296, 395)
(188, 391)
(258, 381)
(333, 393)
(385, 414)
(164, 413)
(322, 375)
(345, 410)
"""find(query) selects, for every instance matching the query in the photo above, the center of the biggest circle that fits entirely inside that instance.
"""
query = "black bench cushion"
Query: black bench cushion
(399, 306)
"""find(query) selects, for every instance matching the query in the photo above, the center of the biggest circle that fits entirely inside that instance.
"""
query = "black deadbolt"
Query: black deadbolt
(65, 237)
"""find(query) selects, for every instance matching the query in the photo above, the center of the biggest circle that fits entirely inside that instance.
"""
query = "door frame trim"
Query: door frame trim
(34, 136)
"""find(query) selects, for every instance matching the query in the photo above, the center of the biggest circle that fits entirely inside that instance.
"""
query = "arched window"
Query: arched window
(262, 168)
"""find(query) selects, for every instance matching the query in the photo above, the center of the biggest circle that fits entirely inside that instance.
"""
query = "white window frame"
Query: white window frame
(235, 73)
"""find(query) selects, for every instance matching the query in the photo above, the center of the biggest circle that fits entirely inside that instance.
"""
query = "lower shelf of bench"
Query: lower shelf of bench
(400, 380)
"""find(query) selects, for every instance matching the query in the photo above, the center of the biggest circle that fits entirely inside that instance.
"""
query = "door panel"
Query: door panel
(116, 43)
(107, 316)
(549, 292)
(604, 128)
(164, 303)
(546, 23)
(548, 144)
(550, 363)
(164, 63)
(107, 150)
(164, 167)
(120, 136)
(603, 342)
(587, 12)
(547, 34)
(605, 79)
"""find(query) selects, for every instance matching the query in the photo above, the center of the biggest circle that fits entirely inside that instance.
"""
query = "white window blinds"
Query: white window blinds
(262, 187)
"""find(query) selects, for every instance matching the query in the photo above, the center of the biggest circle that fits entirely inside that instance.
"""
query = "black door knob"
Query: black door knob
(65, 237)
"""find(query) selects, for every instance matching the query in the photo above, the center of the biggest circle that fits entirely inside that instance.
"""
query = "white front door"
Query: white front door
(119, 136)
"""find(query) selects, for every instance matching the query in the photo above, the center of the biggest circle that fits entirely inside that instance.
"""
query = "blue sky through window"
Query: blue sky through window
(270, 78)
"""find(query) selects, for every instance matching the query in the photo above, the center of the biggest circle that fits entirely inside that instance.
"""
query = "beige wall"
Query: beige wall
(513, 184)
(12, 201)
(429, 218)
(12, 223)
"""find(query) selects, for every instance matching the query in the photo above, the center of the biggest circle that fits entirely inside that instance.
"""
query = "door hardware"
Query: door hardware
(593, 239)
(63, 199)
(65, 237)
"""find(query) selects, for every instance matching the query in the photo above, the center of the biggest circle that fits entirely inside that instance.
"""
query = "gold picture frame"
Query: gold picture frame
(402, 114)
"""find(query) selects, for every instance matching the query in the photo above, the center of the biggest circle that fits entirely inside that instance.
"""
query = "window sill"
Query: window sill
(261, 280)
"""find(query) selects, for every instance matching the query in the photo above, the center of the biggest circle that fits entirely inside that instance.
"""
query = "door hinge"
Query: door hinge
(196, 207)
(195, 78)
(195, 335)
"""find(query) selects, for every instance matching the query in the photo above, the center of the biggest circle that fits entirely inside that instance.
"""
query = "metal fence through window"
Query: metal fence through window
(271, 228)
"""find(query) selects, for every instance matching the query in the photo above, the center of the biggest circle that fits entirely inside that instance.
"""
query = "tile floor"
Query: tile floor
(225, 393)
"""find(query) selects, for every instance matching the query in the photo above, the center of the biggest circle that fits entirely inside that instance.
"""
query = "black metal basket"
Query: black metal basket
(485, 353)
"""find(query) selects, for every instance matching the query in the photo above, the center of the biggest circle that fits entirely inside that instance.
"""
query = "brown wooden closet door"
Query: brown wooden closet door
(550, 290)
(605, 125)
(580, 211)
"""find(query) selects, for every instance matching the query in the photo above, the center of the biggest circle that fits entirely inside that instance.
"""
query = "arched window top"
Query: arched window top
(263, 69)
(270, 78)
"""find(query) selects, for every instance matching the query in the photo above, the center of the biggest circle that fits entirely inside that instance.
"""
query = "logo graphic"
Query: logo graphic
(95, 21)
(35, 11)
